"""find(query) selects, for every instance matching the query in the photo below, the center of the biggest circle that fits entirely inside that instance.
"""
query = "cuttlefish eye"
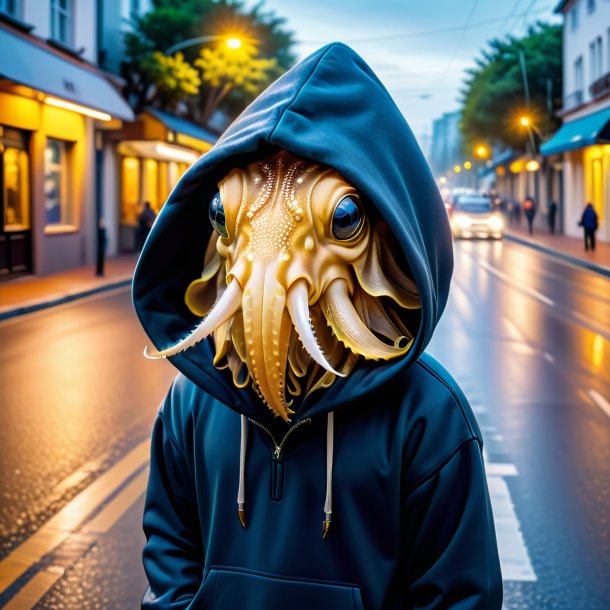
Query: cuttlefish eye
(348, 219)
(217, 216)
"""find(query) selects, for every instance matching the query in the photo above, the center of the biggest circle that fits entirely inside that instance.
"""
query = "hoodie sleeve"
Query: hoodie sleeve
(453, 556)
(173, 555)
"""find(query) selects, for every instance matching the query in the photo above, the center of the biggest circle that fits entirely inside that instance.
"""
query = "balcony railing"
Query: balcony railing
(601, 86)
(572, 100)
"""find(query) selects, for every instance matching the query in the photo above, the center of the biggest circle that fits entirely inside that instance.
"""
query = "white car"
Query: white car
(474, 216)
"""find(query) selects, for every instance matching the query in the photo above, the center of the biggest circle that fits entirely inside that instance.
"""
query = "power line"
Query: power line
(408, 35)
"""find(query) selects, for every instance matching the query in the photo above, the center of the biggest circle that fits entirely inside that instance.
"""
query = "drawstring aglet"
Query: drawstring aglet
(241, 513)
(326, 527)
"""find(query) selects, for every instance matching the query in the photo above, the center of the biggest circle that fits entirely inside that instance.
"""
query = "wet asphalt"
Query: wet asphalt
(526, 336)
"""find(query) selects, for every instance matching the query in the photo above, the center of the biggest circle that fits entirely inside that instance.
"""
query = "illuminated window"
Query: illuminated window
(16, 189)
(57, 197)
(150, 183)
(130, 190)
(61, 21)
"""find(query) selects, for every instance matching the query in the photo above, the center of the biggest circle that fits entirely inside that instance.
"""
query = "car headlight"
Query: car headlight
(462, 221)
(496, 223)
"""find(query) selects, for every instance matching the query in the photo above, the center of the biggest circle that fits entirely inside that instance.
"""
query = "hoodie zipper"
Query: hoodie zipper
(277, 449)
(277, 464)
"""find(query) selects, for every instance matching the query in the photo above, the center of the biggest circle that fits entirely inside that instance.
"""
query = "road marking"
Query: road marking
(501, 470)
(35, 589)
(57, 529)
(600, 401)
(517, 336)
(514, 284)
(549, 357)
(111, 513)
(514, 557)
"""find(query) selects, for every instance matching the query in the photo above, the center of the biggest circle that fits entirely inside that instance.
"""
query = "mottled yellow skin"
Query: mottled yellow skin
(280, 245)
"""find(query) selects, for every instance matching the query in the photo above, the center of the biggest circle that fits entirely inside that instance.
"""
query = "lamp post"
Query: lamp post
(232, 42)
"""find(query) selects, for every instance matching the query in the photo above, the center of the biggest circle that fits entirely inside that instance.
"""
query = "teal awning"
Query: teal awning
(591, 129)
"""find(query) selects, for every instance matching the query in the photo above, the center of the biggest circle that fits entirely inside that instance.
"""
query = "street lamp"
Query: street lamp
(481, 151)
(232, 42)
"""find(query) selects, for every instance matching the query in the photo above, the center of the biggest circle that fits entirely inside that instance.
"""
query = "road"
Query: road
(526, 336)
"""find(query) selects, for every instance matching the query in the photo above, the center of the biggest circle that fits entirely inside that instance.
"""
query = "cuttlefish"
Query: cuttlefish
(300, 279)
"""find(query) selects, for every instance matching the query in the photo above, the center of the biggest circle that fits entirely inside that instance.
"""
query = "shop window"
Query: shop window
(61, 21)
(130, 190)
(58, 209)
(150, 183)
(16, 189)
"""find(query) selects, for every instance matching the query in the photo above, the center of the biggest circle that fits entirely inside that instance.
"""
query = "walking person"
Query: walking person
(589, 223)
(145, 223)
(552, 216)
(102, 242)
(529, 209)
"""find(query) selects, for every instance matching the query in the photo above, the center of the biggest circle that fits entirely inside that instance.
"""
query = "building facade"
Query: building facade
(584, 138)
(55, 105)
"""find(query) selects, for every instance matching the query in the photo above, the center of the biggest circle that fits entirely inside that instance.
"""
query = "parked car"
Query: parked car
(475, 216)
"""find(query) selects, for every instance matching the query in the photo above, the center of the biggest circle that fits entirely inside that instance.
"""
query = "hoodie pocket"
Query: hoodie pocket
(226, 588)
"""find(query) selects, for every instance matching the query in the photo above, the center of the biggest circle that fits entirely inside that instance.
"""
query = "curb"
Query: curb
(59, 299)
(574, 260)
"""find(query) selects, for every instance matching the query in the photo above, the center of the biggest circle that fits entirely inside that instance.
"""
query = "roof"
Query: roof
(30, 62)
(183, 126)
(587, 130)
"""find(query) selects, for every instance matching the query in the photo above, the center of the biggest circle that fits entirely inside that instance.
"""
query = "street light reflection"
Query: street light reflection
(598, 352)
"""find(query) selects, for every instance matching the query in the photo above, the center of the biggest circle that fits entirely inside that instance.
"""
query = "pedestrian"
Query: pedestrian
(146, 220)
(309, 454)
(101, 246)
(552, 216)
(517, 212)
(529, 209)
(589, 223)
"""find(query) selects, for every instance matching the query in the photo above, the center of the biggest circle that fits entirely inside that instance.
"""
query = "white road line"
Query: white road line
(549, 357)
(500, 469)
(110, 514)
(509, 280)
(600, 401)
(57, 529)
(35, 589)
(517, 336)
(514, 557)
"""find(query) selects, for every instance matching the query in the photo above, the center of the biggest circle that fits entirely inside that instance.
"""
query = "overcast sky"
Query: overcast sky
(418, 48)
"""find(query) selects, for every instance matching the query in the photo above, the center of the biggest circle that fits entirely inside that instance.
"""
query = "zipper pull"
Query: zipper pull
(277, 451)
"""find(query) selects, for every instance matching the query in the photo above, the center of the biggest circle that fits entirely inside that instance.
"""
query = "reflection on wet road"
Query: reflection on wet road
(527, 337)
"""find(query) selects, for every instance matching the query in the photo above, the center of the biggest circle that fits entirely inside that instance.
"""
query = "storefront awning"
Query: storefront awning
(30, 63)
(585, 131)
(183, 126)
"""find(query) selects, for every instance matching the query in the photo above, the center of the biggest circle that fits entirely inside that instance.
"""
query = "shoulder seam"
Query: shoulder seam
(457, 398)
(425, 478)
(297, 93)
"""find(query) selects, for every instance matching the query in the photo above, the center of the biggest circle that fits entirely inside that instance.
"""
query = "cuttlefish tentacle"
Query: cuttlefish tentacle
(351, 330)
(226, 306)
(298, 307)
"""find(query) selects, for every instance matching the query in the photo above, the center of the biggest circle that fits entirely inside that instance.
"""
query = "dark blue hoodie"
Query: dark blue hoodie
(412, 523)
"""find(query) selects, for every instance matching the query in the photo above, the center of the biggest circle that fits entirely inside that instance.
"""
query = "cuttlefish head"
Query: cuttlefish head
(299, 280)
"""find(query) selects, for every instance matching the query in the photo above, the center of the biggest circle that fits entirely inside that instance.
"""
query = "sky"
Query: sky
(418, 48)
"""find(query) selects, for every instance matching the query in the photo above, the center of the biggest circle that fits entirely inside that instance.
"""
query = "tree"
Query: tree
(494, 95)
(193, 77)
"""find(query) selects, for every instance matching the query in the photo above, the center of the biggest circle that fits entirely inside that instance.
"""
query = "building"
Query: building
(55, 106)
(446, 146)
(583, 141)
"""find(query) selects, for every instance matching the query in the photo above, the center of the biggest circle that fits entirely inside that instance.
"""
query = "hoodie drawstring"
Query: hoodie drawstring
(241, 492)
(328, 502)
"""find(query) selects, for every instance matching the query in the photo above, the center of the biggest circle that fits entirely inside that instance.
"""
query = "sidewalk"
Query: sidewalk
(31, 293)
(570, 249)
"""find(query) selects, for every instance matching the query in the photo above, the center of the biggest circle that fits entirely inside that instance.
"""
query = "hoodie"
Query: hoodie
(392, 451)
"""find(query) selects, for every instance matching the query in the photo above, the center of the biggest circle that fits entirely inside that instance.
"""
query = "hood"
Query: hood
(333, 110)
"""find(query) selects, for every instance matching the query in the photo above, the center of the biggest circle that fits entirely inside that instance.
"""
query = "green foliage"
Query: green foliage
(153, 79)
(494, 94)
